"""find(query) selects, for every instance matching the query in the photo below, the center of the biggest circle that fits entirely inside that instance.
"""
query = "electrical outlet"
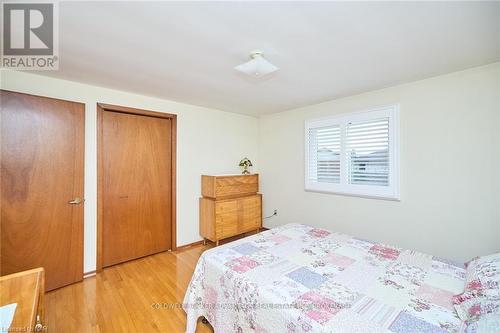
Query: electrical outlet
(275, 213)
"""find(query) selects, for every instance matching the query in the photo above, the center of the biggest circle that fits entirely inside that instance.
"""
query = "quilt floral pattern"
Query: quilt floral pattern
(297, 278)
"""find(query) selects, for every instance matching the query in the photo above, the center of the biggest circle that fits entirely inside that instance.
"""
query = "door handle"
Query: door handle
(75, 201)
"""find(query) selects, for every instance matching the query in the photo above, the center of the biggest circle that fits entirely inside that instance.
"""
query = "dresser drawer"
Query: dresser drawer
(249, 202)
(227, 186)
(250, 222)
(226, 206)
(226, 224)
(250, 213)
(237, 215)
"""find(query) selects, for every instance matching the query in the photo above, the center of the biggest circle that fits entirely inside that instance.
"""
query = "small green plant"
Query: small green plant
(245, 164)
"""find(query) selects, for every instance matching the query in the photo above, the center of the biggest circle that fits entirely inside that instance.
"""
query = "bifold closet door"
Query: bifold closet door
(42, 150)
(136, 186)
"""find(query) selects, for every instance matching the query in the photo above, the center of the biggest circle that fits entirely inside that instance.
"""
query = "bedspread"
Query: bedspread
(297, 278)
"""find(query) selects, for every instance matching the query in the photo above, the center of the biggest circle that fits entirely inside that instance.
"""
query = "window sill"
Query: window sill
(358, 195)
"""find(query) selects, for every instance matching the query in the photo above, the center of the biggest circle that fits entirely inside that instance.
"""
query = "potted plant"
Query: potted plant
(245, 164)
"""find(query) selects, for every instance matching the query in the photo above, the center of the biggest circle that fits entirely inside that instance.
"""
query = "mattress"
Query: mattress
(297, 278)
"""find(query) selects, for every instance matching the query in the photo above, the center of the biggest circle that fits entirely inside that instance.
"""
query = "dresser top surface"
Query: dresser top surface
(231, 175)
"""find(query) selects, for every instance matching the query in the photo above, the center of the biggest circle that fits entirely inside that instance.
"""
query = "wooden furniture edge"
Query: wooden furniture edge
(37, 315)
(14, 275)
(227, 176)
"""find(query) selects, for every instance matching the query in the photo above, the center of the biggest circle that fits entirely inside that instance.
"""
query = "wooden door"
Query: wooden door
(42, 151)
(136, 186)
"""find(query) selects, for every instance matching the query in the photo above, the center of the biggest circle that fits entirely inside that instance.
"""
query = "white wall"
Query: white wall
(450, 160)
(208, 141)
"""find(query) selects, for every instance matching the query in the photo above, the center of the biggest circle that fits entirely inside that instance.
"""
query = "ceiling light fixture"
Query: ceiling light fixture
(258, 66)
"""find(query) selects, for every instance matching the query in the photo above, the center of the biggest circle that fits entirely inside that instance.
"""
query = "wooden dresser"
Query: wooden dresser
(230, 206)
(27, 289)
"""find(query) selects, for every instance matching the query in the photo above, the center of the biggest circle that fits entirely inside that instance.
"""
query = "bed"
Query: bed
(297, 278)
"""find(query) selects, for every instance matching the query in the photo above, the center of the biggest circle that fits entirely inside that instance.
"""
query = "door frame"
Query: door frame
(101, 108)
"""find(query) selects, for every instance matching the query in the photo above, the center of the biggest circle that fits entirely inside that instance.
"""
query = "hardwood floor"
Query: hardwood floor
(122, 298)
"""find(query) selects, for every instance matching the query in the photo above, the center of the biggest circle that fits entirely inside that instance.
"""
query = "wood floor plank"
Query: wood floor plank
(121, 297)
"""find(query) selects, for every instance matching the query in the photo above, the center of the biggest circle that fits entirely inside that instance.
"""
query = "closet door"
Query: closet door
(42, 149)
(136, 186)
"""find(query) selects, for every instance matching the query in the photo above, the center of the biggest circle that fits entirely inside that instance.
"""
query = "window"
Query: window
(354, 154)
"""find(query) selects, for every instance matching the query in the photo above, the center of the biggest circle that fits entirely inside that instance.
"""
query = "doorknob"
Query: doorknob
(75, 201)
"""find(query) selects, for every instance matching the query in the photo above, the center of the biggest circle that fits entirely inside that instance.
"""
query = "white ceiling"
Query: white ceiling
(186, 51)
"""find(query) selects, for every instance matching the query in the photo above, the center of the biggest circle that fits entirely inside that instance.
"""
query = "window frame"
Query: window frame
(390, 192)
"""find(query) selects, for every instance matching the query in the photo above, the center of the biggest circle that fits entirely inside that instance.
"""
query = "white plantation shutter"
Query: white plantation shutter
(354, 154)
(324, 148)
(367, 149)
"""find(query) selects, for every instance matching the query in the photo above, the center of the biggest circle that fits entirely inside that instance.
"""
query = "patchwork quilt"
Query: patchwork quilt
(297, 278)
